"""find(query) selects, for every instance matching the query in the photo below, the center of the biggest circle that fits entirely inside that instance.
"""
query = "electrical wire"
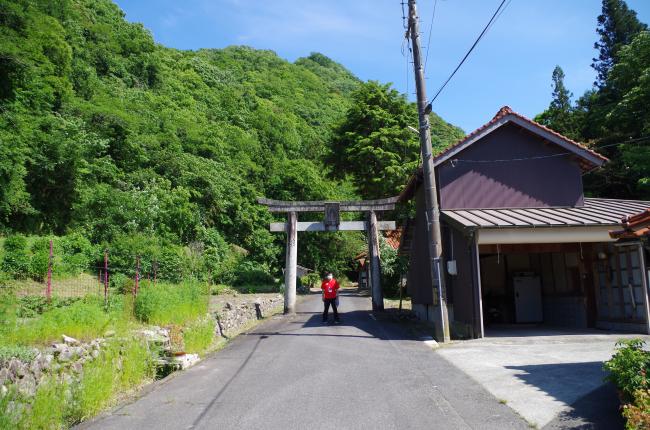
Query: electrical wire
(433, 16)
(541, 157)
(478, 39)
(507, 160)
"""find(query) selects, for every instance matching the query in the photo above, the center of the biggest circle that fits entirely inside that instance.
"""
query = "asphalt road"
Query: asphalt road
(296, 373)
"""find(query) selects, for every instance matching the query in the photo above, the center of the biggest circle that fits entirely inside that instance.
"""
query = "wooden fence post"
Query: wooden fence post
(48, 291)
(137, 275)
(105, 276)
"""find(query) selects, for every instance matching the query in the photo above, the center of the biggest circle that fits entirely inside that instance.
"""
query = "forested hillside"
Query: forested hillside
(134, 145)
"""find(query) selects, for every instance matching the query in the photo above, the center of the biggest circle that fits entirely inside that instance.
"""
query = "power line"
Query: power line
(507, 160)
(478, 39)
(638, 139)
(433, 16)
(541, 157)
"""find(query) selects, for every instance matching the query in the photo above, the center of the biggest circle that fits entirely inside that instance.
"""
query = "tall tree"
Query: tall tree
(374, 145)
(617, 26)
(560, 114)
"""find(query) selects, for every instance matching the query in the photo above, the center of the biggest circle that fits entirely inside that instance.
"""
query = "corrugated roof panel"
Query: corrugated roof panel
(535, 219)
(459, 219)
(595, 212)
(571, 213)
(624, 206)
(513, 214)
(484, 214)
(610, 214)
(474, 218)
(505, 217)
(596, 215)
(557, 219)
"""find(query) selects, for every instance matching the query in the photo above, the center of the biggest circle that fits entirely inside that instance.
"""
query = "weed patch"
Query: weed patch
(84, 320)
(198, 336)
(165, 304)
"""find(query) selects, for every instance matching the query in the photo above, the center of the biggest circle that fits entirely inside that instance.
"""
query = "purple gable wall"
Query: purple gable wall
(555, 181)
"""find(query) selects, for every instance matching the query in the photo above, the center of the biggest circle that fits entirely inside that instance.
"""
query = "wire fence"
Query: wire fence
(69, 280)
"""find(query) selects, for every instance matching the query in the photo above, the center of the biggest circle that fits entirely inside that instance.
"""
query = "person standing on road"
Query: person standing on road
(330, 287)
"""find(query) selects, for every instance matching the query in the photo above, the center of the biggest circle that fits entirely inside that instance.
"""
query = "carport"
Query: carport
(556, 266)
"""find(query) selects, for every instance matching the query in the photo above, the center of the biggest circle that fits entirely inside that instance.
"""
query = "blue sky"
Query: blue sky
(512, 65)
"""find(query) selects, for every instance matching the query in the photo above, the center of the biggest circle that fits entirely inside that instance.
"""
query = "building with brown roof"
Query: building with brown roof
(522, 244)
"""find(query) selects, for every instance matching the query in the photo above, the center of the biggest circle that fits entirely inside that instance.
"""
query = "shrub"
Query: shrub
(628, 367)
(78, 253)
(637, 414)
(199, 336)
(312, 280)
(253, 273)
(171, 304)
(218, 289)
(120, 283)
(40, 258)
(16, 260)
(393, 267)
(171, 264)
(125, 248)
(31, 306)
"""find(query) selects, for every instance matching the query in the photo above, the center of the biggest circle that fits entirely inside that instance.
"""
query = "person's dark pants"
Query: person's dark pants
(327, 303)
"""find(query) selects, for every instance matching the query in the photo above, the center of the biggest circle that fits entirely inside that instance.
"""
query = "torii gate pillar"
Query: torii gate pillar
(375, 268)
(291, 264)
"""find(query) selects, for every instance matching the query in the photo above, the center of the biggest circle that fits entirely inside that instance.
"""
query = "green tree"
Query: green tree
(617, 26)
(560, 114)
(373, 142)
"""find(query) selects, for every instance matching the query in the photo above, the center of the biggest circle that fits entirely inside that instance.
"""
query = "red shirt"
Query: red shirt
(330, 288)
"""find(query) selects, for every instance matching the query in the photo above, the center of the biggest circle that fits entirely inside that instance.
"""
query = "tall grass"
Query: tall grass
(84, 320)
(48, 410)
(121, 366)
(198, 336)
(164, 304)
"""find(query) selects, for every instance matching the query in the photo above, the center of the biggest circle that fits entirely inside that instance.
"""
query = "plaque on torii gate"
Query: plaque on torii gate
(331, 222)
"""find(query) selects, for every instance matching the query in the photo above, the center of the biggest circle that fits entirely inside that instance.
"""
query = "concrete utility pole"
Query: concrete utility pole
(431, 198)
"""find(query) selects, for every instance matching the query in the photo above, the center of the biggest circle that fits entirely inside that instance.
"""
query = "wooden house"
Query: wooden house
(522, 244)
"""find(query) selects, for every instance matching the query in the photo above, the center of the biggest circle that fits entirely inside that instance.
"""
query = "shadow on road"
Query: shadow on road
(596, 410)
(355, 323)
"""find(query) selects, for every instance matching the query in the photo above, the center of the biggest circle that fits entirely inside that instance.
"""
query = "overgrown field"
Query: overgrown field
(29, 323)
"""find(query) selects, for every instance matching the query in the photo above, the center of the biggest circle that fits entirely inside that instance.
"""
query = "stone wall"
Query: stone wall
(232, 317)
(64, 360)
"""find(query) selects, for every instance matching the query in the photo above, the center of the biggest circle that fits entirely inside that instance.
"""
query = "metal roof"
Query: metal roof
(595, 212)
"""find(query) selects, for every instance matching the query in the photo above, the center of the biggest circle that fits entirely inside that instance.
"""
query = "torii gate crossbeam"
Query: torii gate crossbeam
(331, 222)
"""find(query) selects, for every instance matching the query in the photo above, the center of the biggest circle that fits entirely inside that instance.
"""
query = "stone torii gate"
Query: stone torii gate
(331, 222)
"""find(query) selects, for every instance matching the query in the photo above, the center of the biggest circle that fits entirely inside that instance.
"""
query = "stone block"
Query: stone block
(70, 341)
